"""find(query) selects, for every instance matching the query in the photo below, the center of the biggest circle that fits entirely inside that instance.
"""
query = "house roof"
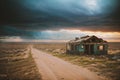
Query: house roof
(87, 39)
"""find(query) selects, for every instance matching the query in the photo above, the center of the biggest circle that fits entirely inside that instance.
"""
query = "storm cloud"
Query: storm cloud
(24, 17)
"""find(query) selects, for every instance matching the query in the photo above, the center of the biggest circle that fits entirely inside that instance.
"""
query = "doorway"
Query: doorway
(89, 49)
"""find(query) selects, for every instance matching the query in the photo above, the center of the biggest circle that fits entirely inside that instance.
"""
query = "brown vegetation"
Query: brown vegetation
(16, 63)
(107, 66)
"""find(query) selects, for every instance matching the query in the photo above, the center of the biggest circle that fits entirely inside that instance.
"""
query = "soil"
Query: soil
(53, 68)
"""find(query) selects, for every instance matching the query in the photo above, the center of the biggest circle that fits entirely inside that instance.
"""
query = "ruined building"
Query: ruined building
(87, 45)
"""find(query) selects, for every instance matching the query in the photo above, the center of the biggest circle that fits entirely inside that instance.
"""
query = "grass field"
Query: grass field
(16, 63)
(107, 66)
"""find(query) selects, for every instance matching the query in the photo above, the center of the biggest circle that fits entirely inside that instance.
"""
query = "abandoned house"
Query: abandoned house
(87, 45)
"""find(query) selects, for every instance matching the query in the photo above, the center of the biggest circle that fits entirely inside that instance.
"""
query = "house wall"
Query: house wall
(75, 49)
(71, 48)
(106, 48)
(80, 49)
(97, 51)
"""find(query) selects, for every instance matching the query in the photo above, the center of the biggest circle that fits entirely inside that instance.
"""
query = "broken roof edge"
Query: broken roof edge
(85, 38)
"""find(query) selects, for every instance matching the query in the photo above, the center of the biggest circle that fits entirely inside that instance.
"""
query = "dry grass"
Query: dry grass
(51, 46)
(105, 65)
(102, 65)
(16, 63)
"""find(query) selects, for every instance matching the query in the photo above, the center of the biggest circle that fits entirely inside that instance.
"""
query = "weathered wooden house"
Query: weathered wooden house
(87, 45)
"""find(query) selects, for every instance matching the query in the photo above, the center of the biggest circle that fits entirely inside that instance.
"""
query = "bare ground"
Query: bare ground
(106, 66)
(53, 68)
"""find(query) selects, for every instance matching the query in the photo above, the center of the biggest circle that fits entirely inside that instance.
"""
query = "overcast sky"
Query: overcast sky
(59, 19)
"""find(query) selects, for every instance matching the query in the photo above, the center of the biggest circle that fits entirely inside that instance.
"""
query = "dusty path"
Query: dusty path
(53, 68)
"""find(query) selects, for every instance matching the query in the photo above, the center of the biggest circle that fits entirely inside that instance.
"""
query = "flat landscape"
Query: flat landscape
(19, 62)
(53, 68)
(16, 63)
(59, 39)
(106, 66)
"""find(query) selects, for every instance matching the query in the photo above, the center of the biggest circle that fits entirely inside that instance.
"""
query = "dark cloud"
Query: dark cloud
(27, 15)
(89, 24)
(12, 31)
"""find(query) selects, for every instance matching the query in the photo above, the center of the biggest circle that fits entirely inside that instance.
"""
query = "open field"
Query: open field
(114, 48)
(107, 66)
(16, 63)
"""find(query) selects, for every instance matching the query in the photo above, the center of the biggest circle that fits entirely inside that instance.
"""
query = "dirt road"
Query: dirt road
(53, 68)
